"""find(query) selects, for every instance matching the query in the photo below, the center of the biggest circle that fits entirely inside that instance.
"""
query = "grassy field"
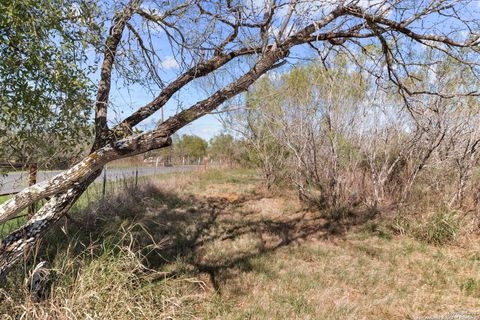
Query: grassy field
(216, 245)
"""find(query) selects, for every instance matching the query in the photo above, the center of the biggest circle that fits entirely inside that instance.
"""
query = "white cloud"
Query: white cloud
(375, 6)
(369, 3)
(169, 63)
(205, 128)
(208, 131)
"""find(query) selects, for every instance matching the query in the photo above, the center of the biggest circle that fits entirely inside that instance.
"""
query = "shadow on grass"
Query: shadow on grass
(193, 235)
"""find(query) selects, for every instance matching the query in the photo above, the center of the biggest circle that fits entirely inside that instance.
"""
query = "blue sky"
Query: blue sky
(125, 100)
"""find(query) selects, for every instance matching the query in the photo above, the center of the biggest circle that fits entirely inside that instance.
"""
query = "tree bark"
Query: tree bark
(103, 92)
(14, 246)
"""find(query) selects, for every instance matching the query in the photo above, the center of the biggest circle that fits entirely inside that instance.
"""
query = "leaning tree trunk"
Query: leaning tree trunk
(20, 242)
(74, 182)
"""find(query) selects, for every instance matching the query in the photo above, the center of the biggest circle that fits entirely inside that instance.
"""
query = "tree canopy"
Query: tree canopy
(46, 92)
(190, 148)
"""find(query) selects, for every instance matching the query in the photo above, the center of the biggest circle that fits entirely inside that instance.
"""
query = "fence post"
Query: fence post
(104, 182)
(136, 178)
(32, 179)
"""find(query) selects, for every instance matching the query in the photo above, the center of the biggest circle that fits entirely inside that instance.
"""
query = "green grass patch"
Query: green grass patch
(234, 176)
(439, 227)
(4, 198)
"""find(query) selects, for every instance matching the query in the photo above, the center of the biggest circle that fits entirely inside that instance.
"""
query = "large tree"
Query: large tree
(241, 39)
(190, 149)
(45, 94)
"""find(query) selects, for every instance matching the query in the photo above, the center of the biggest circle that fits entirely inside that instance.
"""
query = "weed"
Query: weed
(439, 227)
(378, 229)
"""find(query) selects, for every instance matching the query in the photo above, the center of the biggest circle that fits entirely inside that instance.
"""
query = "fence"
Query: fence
(121, 174)
(32, 179)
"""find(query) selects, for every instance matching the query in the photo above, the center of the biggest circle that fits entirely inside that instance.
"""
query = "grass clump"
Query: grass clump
(439, 228)
(3, 199)
(471, 287)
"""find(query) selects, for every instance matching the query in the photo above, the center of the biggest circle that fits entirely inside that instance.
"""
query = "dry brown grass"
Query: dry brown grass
(224, 248)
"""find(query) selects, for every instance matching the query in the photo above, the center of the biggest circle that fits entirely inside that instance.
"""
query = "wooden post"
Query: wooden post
(31, 181)
(136, 178)
(104, 190)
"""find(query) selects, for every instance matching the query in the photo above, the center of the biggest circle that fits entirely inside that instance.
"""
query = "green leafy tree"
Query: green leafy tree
(223, 148)
(190, 148)
(45, 93)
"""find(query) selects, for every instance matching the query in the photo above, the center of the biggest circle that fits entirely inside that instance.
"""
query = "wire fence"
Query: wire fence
(109, 182)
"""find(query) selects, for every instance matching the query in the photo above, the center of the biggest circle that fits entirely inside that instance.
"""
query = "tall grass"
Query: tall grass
(98, 261)
(439, 227)
(105, 280)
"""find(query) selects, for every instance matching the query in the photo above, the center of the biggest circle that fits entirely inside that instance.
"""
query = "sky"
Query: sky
(126, 100)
